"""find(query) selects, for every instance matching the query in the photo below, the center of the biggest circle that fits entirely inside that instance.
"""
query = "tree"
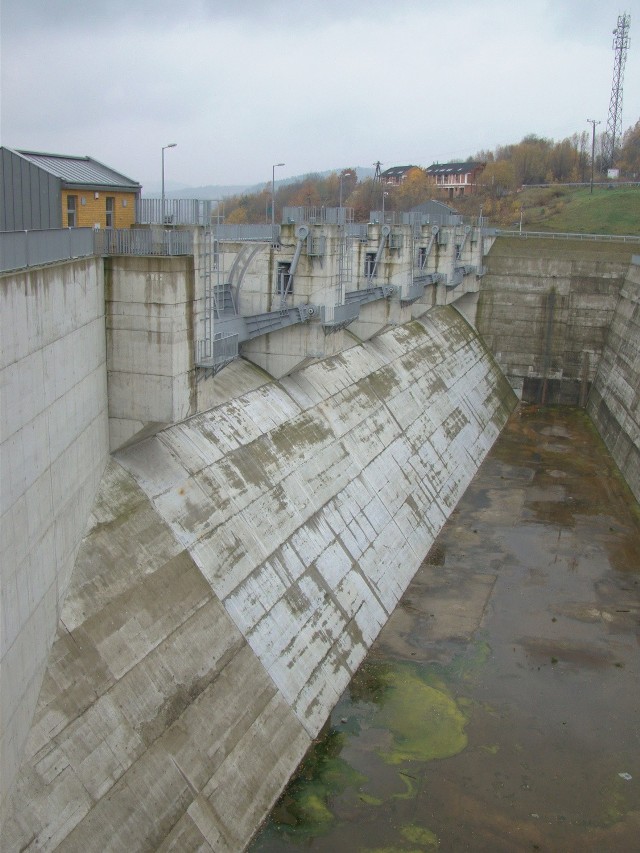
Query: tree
(415, 189)
(499, 178)
(629, 160)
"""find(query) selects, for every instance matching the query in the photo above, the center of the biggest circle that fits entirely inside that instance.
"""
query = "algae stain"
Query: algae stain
(415, 707)
(303, 810)
(419, 835)
(426, 723)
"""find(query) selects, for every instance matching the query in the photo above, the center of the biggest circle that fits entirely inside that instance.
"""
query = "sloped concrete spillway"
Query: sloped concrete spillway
(237, 568)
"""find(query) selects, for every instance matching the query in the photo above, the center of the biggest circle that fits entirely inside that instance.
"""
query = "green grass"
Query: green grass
(606, 211)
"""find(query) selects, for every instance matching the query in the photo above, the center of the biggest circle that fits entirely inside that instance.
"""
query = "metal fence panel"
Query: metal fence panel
(20, 249)
(239, 233)
(143, 241)
(177, 211)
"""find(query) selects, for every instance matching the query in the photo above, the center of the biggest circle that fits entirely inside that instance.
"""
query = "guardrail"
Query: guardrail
(177, 211)
(251, 233)
(317, 215)
(143, 241)
(22, 249)
(558, 235)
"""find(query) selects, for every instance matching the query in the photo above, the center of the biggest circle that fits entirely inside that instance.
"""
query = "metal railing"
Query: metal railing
(239, 233)
(177, 211)
(317, 215)
(21, 249)
(558, 235)
(143, 241)
(413, 218)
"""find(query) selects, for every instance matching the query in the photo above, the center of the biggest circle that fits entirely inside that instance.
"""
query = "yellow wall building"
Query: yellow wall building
(98, 208)
(64, 191)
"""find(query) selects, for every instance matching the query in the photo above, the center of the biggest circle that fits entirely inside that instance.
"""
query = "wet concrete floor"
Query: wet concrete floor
(499, 709)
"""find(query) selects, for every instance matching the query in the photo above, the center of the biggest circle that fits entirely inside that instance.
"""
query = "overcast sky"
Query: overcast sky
(316, 84)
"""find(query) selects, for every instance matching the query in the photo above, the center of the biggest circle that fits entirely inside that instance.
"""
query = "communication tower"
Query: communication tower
(614, 122)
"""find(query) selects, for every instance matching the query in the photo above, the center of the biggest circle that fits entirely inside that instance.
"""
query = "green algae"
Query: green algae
(416, 708)
(425, 721)
(303, 810)
(406, 701)
(419, 835)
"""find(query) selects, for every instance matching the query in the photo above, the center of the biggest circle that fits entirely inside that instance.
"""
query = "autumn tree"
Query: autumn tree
(629, 160)
(415, 189)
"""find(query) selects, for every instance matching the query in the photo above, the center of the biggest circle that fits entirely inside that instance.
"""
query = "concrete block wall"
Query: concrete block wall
(614, 402)
(238, 566)
(545, 308)
(53, 450)
(150, 343)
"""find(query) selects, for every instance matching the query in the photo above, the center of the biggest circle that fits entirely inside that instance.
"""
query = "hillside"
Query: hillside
(609, 210)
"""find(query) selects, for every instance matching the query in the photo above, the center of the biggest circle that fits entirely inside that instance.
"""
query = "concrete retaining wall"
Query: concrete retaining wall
(150, 345)
(54, 447)
(614, 402)
(237, 568)
(544, 310)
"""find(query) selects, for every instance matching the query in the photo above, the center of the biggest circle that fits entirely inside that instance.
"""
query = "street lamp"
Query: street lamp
(593, 124)
(219, 201)
(384, 195)
(273, 194)
(164, 147)
(342, 176)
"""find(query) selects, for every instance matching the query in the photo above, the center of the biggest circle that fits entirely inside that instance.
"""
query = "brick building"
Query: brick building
(456, 179)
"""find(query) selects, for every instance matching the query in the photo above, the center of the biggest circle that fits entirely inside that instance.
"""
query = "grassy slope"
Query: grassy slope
(606, 211)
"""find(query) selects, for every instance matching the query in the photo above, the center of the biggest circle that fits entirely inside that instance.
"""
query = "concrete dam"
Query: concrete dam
(195, 565)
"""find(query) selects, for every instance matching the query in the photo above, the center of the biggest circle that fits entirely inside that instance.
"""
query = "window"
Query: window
(284, 285)
(72, 206)
(370, 270)
(422, 257)
(110, 210)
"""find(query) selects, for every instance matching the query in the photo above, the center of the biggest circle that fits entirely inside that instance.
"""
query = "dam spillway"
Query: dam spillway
(237, 568)
(237, 564)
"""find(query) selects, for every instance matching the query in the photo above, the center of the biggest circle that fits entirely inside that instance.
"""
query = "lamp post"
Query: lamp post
(273, 194)
(342, 177)
(593, 123)
(384, 195)
(219, 201)
(164, 147)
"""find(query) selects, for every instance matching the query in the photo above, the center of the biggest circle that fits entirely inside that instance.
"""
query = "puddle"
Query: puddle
(498, 708)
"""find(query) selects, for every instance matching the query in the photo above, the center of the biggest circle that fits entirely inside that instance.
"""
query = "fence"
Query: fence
(558, 235)
(177, 211)
(240, 233)
(317, 215)
(143, 241)
(20, 249)
(413, 218)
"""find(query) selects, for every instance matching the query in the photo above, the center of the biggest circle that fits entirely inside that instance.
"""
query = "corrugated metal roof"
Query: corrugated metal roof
(82, 171)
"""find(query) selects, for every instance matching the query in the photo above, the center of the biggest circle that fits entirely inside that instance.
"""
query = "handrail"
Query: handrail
(564, 235)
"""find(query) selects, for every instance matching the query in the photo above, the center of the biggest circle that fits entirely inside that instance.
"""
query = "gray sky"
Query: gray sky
(243, 84)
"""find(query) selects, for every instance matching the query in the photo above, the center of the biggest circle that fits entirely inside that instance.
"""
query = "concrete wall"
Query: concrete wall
(544, 310)
(150, 346)
(614, 402)
(237, 568)
(53, 450)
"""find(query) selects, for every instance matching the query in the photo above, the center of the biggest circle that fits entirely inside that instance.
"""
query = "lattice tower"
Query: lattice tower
(614, 122)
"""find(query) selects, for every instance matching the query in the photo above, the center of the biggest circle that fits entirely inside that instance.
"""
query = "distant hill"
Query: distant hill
(213, 191)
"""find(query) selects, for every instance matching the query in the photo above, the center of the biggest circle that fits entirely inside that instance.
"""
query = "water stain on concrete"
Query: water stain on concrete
(498, 709)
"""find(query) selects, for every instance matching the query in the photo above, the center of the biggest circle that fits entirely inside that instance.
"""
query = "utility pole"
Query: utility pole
(593, 124)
